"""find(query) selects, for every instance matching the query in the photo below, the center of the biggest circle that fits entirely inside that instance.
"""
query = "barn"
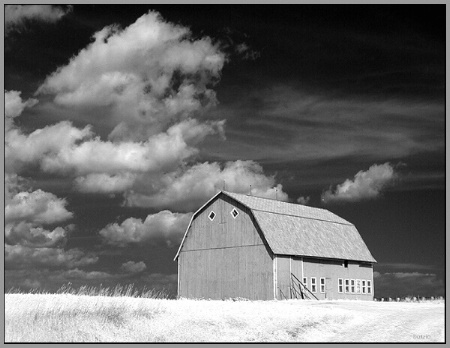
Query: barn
(241, 246)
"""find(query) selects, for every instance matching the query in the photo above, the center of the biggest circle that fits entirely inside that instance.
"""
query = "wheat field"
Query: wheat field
(69, 317)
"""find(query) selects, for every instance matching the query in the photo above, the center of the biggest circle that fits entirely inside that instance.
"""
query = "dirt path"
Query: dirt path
(394, 322)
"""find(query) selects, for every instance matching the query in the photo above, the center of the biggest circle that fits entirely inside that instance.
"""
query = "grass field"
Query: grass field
(81, 318)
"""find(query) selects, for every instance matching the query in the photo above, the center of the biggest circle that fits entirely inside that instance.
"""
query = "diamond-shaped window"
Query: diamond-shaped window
(212, 215)
(234, 213)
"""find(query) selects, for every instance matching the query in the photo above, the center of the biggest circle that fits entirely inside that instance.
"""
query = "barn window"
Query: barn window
(363, 282)
(322, 285)
(313, 284)
(347, 285)
(369, 287)
(212, 215)
(305, 282)
(352, 286)
(234, 213)
(358, 286)
(340, 285)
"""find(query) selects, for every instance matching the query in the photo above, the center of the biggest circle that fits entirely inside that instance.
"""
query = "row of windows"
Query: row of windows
(352, 286)
(234, 213)
(313, 287)
(355, 286)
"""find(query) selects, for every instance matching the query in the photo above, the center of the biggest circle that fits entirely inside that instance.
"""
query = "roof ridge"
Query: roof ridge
(293, 204)
(305, 217)
(276, 200)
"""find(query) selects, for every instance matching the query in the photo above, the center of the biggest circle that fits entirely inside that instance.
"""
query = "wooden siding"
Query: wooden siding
(226, 273)
(331, 270)
(226, 257)
(224, 231)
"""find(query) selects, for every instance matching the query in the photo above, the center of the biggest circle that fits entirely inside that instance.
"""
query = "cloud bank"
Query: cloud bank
(150, 86)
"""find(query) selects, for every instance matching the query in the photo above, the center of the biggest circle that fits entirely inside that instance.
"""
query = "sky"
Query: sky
(122, 120)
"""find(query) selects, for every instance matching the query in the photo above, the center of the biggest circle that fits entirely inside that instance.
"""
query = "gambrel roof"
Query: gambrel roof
(294, 229)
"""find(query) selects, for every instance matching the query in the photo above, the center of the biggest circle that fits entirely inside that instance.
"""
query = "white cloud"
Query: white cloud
(164, 226)
(13, 185)
(366, 185)
(28, 235)
(104, 166)
(14, 104)
(27, 243)
(104, 183)
(19, 256)
(188, 189)
(160, 152)
(148, 75)
(133, 267)
(16, 15)
(303, 200)
(24, 149)
(36, 207)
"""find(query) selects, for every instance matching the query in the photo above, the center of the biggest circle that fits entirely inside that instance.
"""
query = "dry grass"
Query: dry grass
(119, 290)
(70, 317)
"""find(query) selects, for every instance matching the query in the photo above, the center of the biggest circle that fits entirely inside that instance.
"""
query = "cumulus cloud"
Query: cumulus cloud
(13, 185)
(133, 267)
(36, 207)
(187, 189)
(163, 226)
(16, 15)
(104, 183)
(303, 200)
(14, 105)
(27, 149)
(104, 166)
(365, 185)
(28, 245)
(19, 257)
(401, 284)
(148, 75)
(27, 235)
(160, 152)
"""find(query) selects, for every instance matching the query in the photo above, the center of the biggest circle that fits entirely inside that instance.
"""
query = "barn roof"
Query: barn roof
(294, 229)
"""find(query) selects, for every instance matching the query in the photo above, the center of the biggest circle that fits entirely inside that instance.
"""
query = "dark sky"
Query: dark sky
(120, 123)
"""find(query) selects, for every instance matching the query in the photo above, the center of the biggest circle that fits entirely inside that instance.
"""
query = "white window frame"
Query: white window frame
(340, 285)
(352, 286)
(313, 284)
(347, 286)
(358, 286)
(237, 213)
(209, 215)
(363, 286)
(322, 290)
(305, 281)
(369, 286)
